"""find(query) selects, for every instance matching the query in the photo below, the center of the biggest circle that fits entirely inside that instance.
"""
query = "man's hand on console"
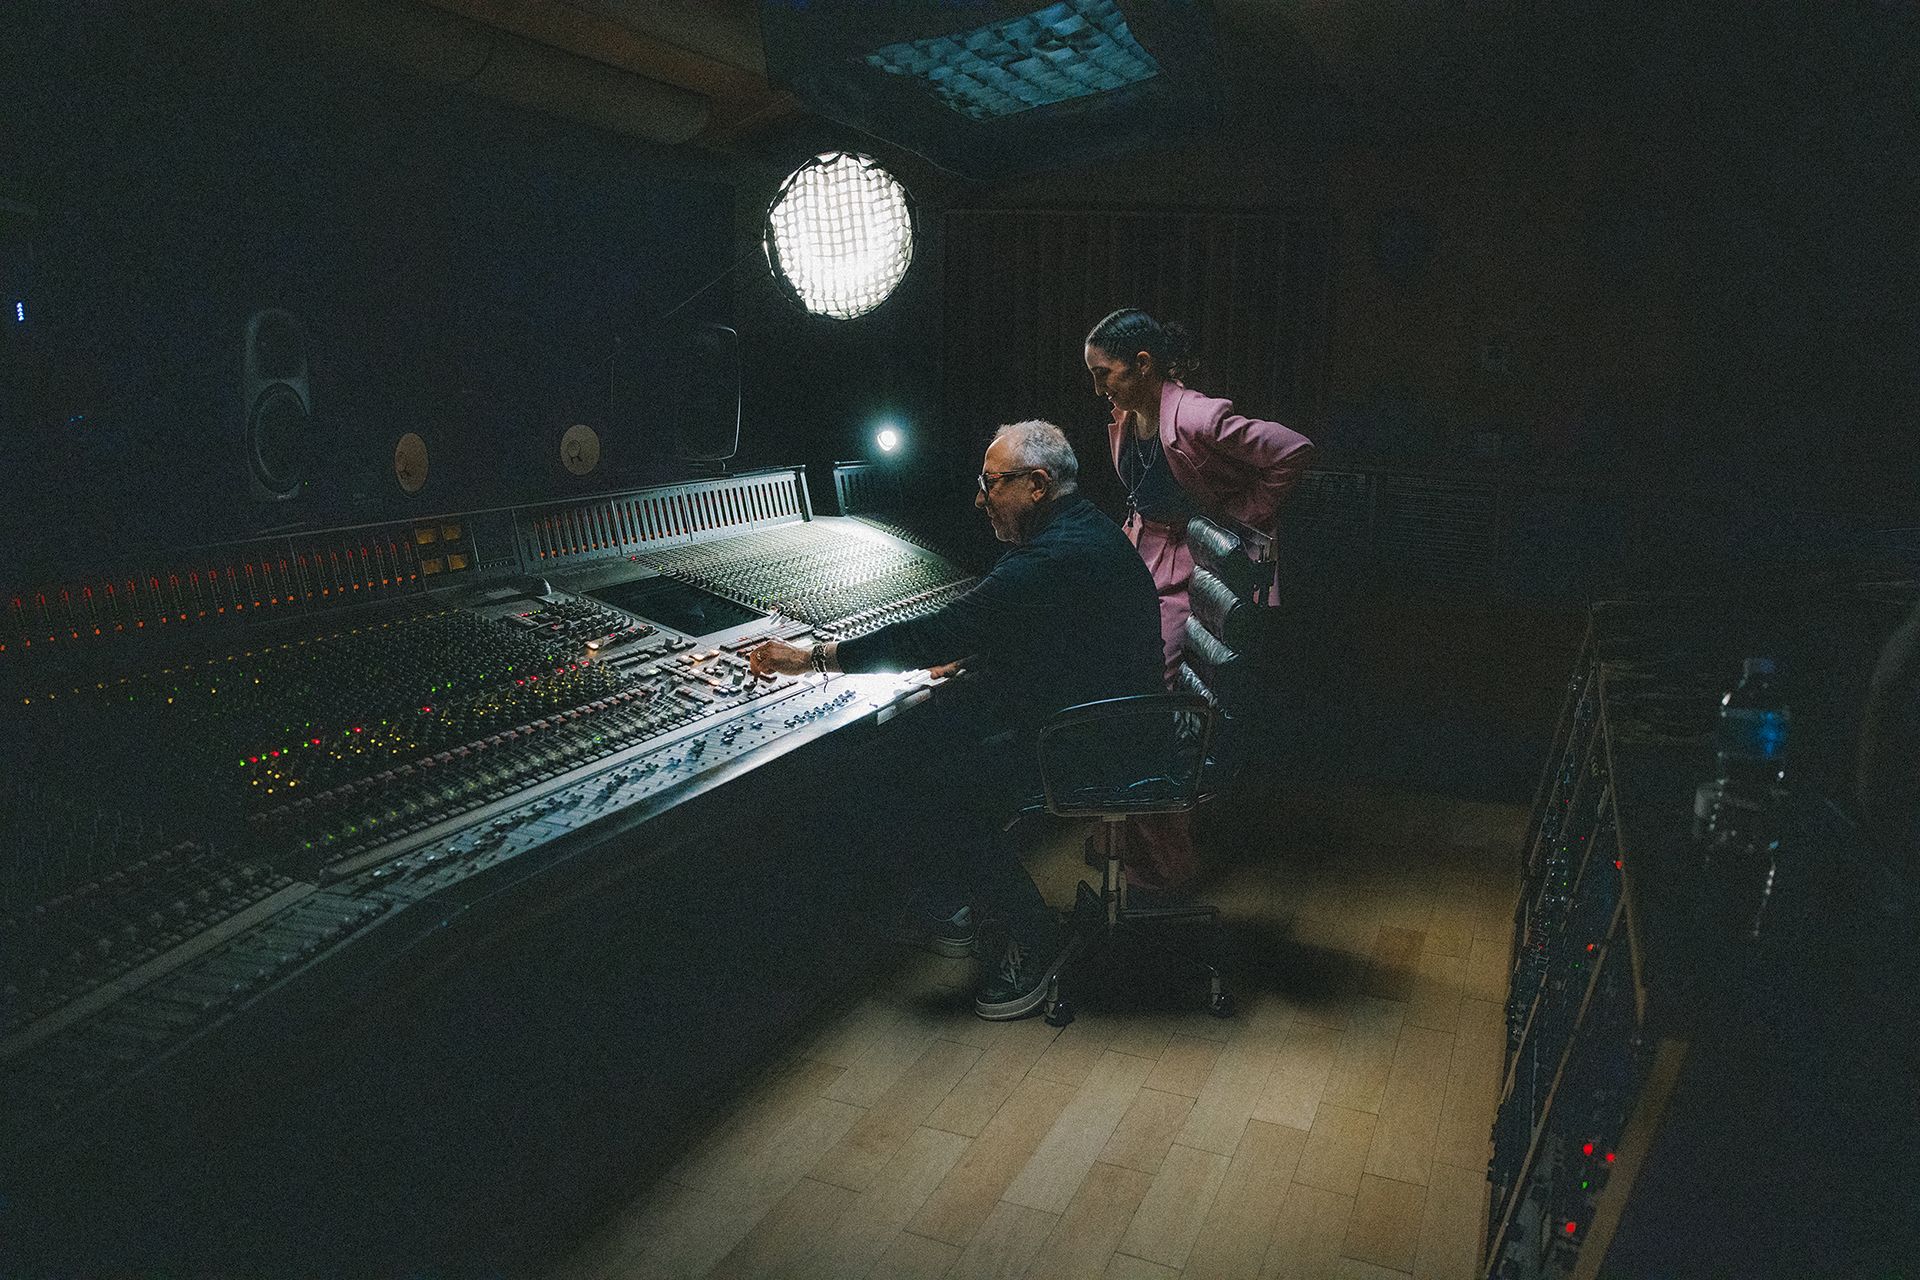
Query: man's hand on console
(778, 658)
(948, 670)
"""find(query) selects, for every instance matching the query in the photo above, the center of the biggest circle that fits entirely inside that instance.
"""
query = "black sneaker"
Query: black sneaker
(1019, 985)
(952, 935)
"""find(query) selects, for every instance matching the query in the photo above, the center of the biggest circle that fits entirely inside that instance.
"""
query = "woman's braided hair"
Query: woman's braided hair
(1130, 329)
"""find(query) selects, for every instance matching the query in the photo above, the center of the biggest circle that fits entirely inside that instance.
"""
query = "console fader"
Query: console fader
(215, 807)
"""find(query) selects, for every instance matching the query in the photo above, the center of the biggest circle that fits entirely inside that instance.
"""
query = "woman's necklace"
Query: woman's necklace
(1141, 456)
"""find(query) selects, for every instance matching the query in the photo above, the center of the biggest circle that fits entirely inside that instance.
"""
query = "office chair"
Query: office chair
(1113, 760)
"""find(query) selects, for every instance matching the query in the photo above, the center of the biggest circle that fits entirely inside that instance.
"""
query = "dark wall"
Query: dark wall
(1671, 244)
(463, 270)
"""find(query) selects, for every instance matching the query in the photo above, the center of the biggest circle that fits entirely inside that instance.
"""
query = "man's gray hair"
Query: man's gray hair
(1041, 444)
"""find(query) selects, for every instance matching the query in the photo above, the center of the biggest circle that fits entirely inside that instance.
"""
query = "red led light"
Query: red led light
(253, 759)
(1589, 946)
(1571, 1227)
(1586, 1149)
(1609, 1157)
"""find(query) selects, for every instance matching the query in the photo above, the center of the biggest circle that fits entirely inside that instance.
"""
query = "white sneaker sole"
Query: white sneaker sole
(1026, 1002)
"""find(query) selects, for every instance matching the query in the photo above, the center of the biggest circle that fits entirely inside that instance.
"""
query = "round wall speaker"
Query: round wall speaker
(410, 462)
(277, 405)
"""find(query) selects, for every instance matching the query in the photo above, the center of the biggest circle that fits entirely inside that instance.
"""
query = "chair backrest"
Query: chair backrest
(1125, 755)
(1227, 632)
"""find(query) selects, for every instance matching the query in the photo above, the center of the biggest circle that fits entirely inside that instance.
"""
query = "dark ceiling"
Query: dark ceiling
(1343, 68)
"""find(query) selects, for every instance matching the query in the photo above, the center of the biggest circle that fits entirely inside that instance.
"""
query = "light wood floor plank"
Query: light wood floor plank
(770, 1171)
(864, 1232)
(694, 1230)
(1451, 1227)
(1234, 1238)
(716, 1159)
(857, 1158)
(1076, 1051)
(1147, 1130)
(1053, 1175)
(1495, 893)
(1410, 1109)
(845, 1041)
(1329, 957)
(1438, 987)
(1299, 1078)
(785, 1234)
(1487, 969)
(1307, 1234)
(1336, 1150)
(992, 1080)
(1005, 1244)
(1144, 1035)
(886, 1058)
(912, 1257)
(1358, 1079)
(1169, 1219)
(1087, 1234)
(1392, 967)
(1473, 1086)
(1184, 1065)
(1385, 1227)
(1226, 1102)
(1354, 1269)
(966, 1197)
(1455, 911)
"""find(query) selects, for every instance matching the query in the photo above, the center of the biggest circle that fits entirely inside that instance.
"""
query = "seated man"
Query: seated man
(1068, 615)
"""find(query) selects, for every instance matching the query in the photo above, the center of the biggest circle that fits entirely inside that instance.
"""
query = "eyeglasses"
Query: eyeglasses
(990, 478)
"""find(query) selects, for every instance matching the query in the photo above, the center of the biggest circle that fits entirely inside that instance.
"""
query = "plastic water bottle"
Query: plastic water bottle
(1737, 816)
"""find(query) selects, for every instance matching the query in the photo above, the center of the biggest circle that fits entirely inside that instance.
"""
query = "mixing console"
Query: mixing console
(189, 835)
(843, 577)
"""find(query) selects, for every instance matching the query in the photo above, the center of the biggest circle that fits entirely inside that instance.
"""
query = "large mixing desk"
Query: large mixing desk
(260, 788)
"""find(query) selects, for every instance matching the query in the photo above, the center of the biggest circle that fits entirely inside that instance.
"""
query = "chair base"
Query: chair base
(1102, 920)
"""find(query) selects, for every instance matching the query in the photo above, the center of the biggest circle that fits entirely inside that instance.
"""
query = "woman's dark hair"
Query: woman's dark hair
(1130, 329)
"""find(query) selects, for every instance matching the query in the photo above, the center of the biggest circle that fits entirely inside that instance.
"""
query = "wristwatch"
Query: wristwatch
(817, 659)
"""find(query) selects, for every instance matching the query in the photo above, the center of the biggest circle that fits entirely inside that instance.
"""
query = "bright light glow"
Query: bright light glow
(20, 313)
(888, 439)
(840, 235)
(1067, 50)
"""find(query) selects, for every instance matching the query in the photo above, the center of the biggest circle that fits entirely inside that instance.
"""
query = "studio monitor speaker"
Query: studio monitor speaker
(681, 388)
(276, 404)
(704, 399)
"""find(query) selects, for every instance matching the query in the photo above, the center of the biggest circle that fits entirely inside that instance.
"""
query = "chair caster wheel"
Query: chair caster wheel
(1221, 1005)
(1059, 1013)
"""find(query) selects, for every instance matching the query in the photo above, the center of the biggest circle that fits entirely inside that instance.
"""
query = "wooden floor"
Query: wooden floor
(1335, 1127)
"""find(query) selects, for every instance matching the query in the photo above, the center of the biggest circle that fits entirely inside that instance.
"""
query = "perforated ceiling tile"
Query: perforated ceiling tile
(1068, 50)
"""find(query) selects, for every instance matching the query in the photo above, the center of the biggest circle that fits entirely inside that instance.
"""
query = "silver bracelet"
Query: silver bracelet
(817, 659)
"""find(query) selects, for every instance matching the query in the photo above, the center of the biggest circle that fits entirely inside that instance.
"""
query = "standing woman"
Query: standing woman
(1182, 454)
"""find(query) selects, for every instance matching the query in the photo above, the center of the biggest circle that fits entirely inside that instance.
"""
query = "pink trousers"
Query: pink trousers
(1159, 847)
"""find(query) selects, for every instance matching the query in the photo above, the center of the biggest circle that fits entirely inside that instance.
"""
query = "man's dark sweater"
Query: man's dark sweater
(1068, 616)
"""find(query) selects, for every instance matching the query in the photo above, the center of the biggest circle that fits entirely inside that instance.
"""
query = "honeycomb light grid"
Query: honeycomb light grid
(840, 235)
(1067, 50)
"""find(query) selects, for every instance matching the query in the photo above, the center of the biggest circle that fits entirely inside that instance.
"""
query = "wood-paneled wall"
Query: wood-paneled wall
(1024, 286)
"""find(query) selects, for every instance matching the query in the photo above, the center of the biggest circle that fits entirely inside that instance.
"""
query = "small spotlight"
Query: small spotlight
(888, 439)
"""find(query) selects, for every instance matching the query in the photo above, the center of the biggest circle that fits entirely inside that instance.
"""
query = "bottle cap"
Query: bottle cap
(1757, 667)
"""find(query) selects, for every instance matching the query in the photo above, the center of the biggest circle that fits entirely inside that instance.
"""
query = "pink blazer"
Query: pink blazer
(1230, 464)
